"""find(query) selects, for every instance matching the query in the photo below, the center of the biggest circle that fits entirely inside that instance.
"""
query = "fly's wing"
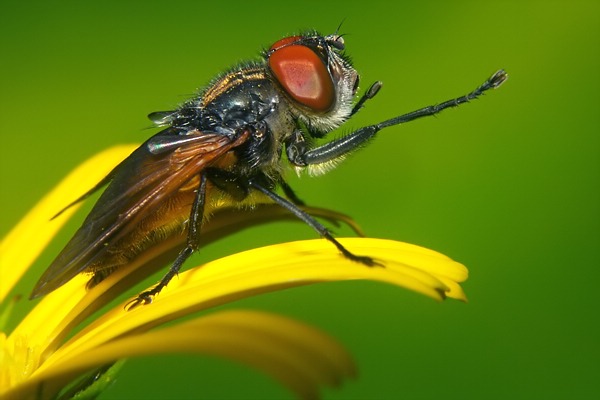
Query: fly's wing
(138, 186)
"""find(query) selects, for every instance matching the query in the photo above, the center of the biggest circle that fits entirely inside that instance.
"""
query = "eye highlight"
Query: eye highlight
(302, 74)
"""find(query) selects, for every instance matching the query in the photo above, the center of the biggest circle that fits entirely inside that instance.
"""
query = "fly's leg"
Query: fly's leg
(193, 239)
(290, 194)
(313, 223)
(98, 277)
(301, 155)
(369, 94)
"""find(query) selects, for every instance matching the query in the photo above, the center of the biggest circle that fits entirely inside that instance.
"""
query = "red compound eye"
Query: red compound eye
(302, 74)
(285, 41)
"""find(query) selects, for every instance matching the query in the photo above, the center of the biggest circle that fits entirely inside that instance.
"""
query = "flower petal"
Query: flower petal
(29, 238)
(225, 280)
(72, 303)
(268, 269)
(297, 355)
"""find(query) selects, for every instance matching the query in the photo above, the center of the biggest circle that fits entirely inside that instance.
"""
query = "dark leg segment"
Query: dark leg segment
(369, 94)
(290, 194)
(193, 238)
(492, 83)
(313, 223)
(343, 146)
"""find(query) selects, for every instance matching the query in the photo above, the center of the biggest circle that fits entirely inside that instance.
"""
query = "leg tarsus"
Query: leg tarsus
(365, 260)
(368, 95)
(147, 296)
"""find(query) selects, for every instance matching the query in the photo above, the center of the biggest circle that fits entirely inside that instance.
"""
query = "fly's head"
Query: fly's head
(316, 77)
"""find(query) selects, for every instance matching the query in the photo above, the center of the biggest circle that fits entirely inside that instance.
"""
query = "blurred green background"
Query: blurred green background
(509, 184)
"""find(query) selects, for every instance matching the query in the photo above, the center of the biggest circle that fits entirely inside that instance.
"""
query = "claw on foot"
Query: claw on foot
(365, 260)
(143, 298)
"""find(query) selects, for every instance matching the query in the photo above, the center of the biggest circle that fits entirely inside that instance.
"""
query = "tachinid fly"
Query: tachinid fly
(229, 143)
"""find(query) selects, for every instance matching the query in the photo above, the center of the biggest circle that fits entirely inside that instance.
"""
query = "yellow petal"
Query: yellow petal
(268, 269)
(221, 281)
(71, 304)
(299, 356)
(27, 240)
(46, 325)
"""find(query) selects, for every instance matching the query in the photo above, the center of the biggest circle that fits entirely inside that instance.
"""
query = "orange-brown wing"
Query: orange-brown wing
(138, 186)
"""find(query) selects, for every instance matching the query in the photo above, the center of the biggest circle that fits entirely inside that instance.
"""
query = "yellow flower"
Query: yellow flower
(41, 356)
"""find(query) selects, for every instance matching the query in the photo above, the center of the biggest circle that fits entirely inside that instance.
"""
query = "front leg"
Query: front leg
(368, 95)
(324, 157)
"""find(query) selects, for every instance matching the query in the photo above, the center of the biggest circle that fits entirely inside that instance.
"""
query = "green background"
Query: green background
(509, 184)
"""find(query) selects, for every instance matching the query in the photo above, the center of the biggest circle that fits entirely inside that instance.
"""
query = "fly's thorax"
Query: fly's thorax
(223, 84)
(236, 100)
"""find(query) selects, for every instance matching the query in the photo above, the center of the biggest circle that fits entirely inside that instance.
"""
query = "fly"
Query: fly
(233, 142)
